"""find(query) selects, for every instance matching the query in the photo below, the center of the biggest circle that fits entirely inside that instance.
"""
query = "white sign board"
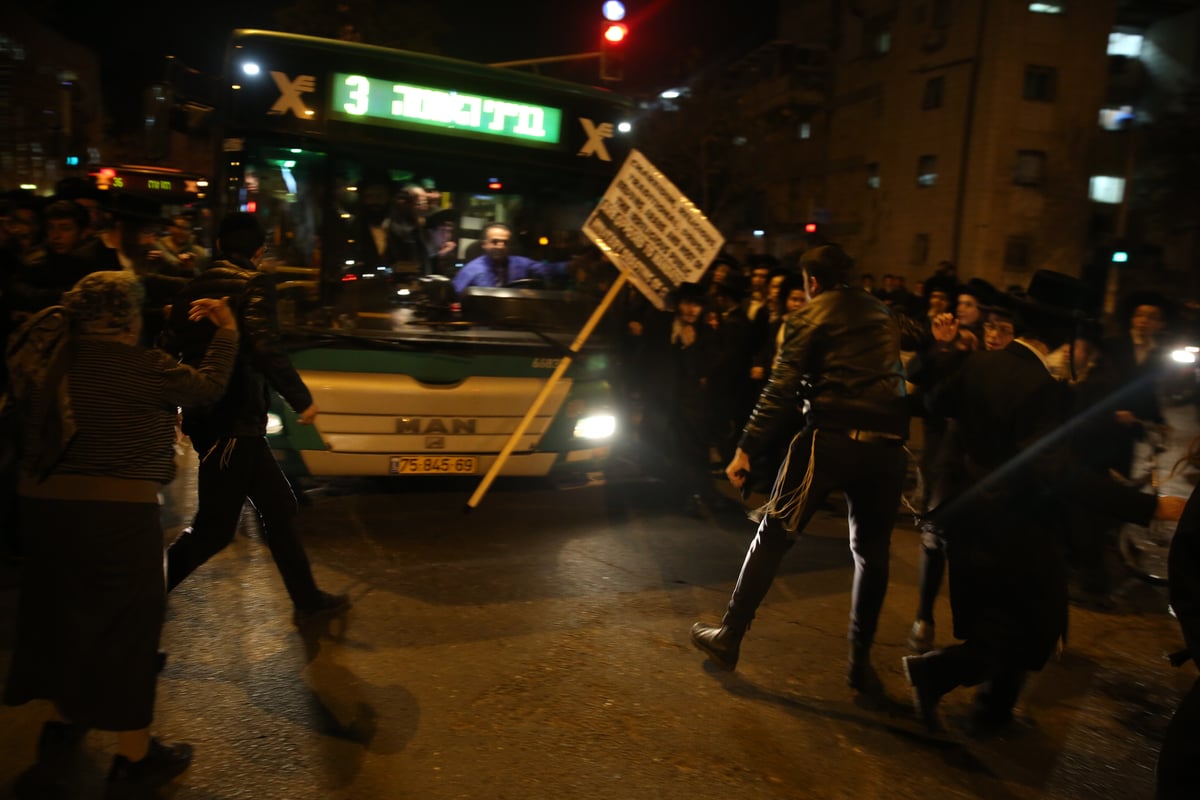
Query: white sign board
(651, 231)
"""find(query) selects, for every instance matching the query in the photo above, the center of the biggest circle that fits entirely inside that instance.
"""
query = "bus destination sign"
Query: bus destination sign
(380, 102)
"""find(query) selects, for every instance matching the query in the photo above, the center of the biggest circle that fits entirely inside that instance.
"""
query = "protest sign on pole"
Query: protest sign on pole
(651, 231)
(656, 237)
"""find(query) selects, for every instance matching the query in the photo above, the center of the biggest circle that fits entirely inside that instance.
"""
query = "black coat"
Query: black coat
(1008, 473)
(262, 363)
(840, 358)
(1183, 566)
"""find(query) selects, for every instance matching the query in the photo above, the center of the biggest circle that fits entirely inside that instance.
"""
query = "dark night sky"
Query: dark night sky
(133, 37)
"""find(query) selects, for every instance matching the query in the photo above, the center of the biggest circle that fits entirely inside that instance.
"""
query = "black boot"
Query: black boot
(860, 675)
(926, 691)
(721, 643)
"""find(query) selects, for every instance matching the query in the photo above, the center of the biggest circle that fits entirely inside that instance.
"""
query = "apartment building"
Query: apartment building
(961, 131)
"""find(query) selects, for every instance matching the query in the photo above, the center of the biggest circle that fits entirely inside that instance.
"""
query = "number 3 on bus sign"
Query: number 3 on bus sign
(360, 93)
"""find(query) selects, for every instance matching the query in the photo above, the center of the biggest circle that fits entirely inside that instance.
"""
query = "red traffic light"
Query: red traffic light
(810, 227)
(615, 32)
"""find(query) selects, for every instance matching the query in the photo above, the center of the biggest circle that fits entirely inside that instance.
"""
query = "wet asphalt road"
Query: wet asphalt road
(538, 647)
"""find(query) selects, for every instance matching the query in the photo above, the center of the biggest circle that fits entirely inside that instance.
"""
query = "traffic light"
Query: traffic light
(810, 227)
(613, 33)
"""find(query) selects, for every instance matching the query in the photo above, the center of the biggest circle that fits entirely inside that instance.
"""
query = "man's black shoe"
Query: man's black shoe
(924, 697)
(719, 642)
(862, 677)
(162, 763)
(984, 724)
(327, 605)
(695, 507)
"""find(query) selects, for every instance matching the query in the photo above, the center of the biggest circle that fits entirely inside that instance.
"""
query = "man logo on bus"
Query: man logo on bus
(594, 146)
(289, 94)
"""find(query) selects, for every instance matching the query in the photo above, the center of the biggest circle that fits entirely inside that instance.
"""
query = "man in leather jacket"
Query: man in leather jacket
(230, 436)
(837, 394)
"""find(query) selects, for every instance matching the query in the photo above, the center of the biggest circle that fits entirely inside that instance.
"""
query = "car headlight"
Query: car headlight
(274, 424)
(595, 426)
(1184, 355)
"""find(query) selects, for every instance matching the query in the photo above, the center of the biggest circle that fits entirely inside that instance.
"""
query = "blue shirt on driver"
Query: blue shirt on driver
(481, 272)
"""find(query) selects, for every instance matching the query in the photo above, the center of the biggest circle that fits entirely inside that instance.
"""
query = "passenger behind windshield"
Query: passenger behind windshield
(441, 242)
(388, 229)
(498, 267)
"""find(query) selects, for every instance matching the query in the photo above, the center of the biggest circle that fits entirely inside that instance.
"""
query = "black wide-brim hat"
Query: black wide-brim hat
(133, 208)
(1056, 302)
(990, 299)
(985, 294)
(441, 215)
(690, 291)
(1130, 302)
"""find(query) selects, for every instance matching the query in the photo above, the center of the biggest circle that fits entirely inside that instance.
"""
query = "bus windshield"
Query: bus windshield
(377, 173)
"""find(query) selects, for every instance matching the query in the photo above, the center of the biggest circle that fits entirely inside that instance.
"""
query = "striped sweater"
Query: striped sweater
(126, 400)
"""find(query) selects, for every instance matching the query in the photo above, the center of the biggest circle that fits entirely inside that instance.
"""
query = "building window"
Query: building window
(1029, 168)
(1018, 253)
(877, 36)
(932, 97)
(1124, 44)
(1039, 83)
(941, 13)
(926, 170)
(1047, 8)
(873, 175)
(920, 250)
(1106, 189)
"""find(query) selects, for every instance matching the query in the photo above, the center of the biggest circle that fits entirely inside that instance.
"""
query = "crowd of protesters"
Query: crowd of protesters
(1025, 405)
(701, 381)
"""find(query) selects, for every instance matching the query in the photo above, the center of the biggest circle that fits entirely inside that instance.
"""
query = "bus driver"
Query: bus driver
(496, 267)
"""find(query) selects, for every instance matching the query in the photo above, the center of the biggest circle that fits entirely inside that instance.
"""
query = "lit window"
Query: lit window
(1106, 189)
(873, 175)
(1046, 8)
(1029, 167)
(1039, 83)
(1116, 119)
(1124, 44)
(926, 170)
(877, 36)
(805, 131)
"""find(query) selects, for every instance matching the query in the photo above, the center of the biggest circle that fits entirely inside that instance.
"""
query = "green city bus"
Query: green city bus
(374, 172)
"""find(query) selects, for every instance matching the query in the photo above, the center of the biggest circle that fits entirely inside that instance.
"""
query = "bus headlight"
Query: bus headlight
(274, 424)
(596, 426)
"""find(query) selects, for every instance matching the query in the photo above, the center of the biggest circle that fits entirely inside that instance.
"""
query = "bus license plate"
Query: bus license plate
(432, 465)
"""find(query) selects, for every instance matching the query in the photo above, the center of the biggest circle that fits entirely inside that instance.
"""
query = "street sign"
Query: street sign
(651, 231)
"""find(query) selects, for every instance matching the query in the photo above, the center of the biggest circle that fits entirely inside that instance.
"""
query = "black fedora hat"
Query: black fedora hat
(133, 208)
(690, 291)
(1054, 306)
(985, 294)
(1060, 293)
(1130, 302)
(441, 215)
